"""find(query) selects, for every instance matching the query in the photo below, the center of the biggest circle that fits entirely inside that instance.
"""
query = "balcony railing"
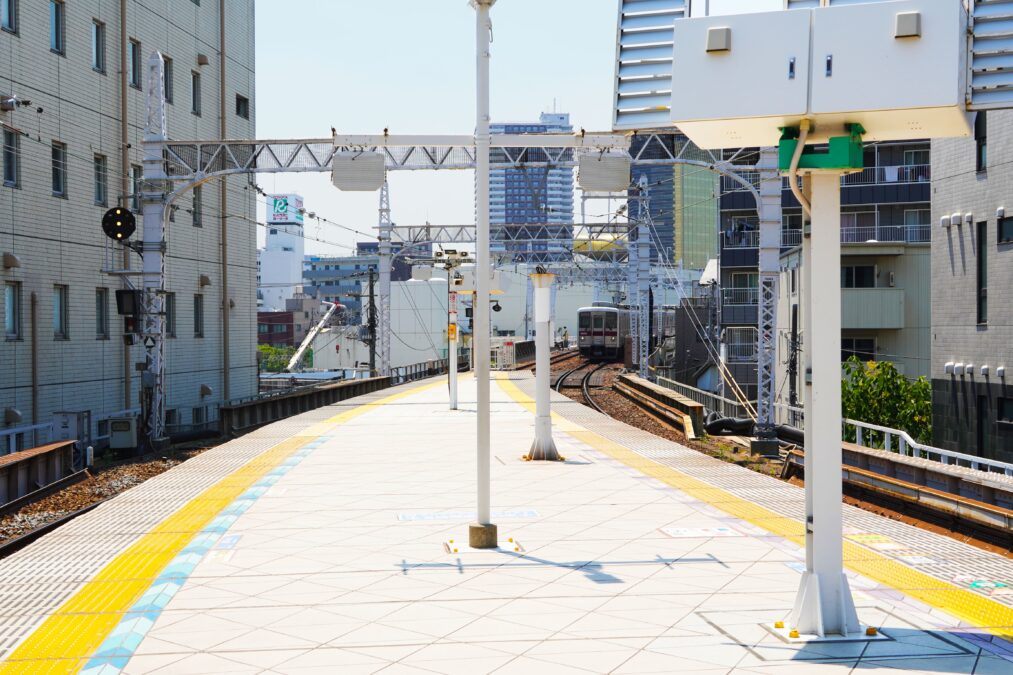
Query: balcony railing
(746, 239)
(740, 345)
(790, 238)
(883, 175)
(910, 234)
(741, 296)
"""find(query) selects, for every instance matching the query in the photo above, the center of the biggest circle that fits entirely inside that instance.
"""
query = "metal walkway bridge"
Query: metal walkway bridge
(335, 541)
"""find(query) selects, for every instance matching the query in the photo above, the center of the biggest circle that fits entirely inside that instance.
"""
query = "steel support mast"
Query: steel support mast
(385, 262)
(153, 208)
(769, 211)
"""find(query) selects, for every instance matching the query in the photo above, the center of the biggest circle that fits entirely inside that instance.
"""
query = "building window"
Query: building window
(858, 276)
(261, 327)
(170, 314)
(198, 206)
(61, 327)
(917, 217)
(98, 46)
(916, 157)
(198, 315)
(136, 177)
(242, 107)
(101, 180)
(59, 155)
(862, 348)
(199, 415)
(195, 92)
(12, 153)
(1005, 415)
(167, 78)
(57, 26)
(981, 140)
(102, 313)
(1004, 230)
(982, 272)
(9, 15)
(134, 64)
(12, 310)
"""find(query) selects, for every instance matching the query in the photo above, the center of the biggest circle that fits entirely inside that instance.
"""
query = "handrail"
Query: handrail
(909, 447)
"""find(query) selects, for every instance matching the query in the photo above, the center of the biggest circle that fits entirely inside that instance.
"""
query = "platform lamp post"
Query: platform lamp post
(543, 448)
(482, 534)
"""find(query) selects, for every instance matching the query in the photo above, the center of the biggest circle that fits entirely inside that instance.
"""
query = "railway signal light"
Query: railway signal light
(119, 223)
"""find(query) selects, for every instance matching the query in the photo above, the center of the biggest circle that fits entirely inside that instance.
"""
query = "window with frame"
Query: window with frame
(195, 102)
(98, 46)
(981, 140)
(916, 157)
(1004, 230)
(57, 26)
(102, 313)
(59, 161)
(134, 64)
(101, 180)
(982, 275)
(261, 328)
(9, 15)
(136, 178)
(242, 107)
(12, 310)
(858, 276)
(197, 210)
(12, 156)
(167, 78)
(917, 217)
(61, 326)
(1005, 412)
(170, 314)
(862, 348)
(198, 315)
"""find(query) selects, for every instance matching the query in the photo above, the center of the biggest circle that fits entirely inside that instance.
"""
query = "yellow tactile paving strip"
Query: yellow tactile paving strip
(67, 639)
(965, 605)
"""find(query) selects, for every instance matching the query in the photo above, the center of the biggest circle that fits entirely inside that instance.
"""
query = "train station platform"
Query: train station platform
(335, 542)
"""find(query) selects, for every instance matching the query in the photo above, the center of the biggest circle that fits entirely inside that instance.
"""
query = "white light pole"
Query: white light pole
(482, 534)
(543, 448)
(824, 603)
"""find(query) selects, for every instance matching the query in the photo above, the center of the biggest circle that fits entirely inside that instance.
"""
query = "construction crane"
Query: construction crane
(297, 358)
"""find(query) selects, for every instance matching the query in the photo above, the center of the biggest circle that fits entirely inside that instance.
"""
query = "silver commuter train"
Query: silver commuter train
(602, 330)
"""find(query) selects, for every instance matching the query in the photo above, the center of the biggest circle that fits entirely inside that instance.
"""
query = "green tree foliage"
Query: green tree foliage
(275, 359)
(876, 393)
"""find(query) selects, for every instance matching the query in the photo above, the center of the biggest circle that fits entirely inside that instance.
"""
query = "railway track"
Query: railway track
(585, 387)
(562, 382)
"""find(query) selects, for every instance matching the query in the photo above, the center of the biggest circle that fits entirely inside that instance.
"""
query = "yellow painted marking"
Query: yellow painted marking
(65, 641)
(961, 603)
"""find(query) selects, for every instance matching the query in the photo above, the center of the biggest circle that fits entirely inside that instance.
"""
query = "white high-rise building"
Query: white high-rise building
(281, 260)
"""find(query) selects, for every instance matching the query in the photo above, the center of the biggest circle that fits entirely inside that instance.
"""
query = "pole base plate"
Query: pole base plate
(483, 536)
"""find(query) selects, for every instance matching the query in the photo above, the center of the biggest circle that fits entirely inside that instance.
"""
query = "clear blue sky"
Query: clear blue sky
(409, 65)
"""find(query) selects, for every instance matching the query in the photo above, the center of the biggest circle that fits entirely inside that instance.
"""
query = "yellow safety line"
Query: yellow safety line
(961, 603)
(65, 641)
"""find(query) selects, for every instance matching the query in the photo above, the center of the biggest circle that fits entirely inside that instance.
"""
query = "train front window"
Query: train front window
(584, 321)
(599, 322)
(611, 321)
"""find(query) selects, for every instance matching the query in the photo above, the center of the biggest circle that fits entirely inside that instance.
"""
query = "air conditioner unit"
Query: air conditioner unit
(122, 433)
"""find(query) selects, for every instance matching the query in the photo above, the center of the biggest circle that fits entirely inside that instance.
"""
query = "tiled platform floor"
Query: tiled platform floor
(342, 559)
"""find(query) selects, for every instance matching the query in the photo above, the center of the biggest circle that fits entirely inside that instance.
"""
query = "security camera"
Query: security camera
(496, 307)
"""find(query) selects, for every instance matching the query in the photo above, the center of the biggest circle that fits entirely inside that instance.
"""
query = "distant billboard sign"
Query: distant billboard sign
(284, 209)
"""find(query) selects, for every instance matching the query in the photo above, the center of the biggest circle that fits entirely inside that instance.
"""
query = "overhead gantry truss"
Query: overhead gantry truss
(188, 161)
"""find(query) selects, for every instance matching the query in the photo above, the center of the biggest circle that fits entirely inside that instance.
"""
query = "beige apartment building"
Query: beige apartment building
(73, 109)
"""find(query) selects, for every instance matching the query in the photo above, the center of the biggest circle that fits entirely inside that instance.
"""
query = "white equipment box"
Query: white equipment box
(897, 68)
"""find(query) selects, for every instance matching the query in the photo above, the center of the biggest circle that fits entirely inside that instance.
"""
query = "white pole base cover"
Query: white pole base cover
(544, 448)
(807, 614)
